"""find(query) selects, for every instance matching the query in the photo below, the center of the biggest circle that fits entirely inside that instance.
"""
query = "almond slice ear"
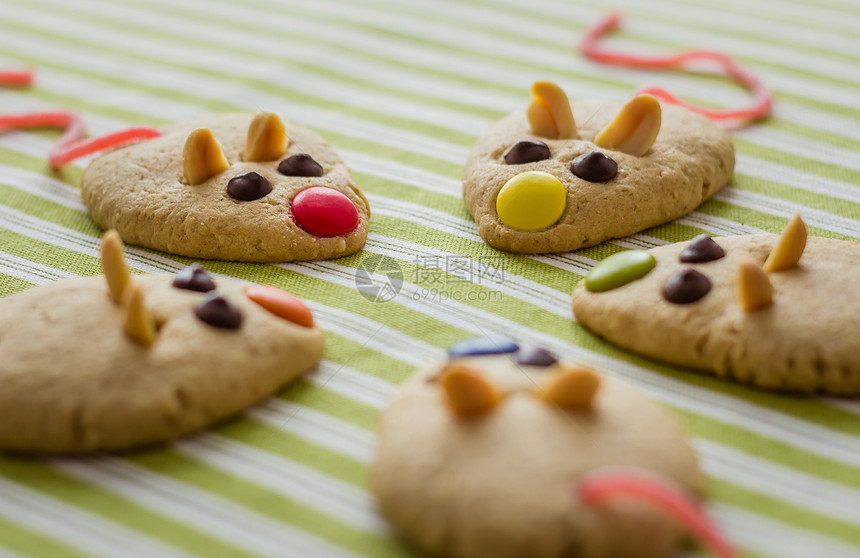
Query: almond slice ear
(467, 391)
(202, 156)
(753, 287)
(549, 112)
(572, 387)
(789, 248)
(113, 265)
(634, 129)
(267, 138)
(139, 322)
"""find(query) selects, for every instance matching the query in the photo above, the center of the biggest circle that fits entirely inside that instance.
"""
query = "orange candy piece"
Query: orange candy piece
(281, 303)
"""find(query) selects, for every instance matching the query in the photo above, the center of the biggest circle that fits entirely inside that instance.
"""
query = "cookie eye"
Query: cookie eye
(701, 249)
(300, 164)
(194, 278)
(248, 187)
(219, 312)
(527, 151)
(594, 167)
(686, 286)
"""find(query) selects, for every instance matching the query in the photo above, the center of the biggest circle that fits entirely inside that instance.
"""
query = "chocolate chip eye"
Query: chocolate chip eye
(536, 356)
(701, 249)
(248, 187)
(594, 167)
(217, 311)
(194, 278)
(300, 164)
(527, 151)
(686, 286)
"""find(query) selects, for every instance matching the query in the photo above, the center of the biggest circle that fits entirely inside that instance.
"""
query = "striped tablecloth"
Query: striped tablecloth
(402, 89)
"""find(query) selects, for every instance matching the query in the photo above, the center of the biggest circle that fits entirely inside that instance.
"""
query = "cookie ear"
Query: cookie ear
(572, 387)
(549, 112)
(753, 287)
(634, 129)
(139, 322)
(789, 247)
(113, 265)
(202, 156)
(267, 138)
(467, 391)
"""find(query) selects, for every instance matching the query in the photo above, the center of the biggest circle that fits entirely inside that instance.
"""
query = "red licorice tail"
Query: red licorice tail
(71, 144)
(17, 78)
(598, 487)
(763, 100)
(64, 152)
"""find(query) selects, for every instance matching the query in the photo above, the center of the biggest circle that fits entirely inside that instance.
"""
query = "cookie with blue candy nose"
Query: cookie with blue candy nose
(560, 176)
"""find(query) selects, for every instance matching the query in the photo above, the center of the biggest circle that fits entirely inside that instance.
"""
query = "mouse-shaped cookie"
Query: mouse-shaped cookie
(778, 311)
(498, 452)
(230, 187)
(118, 361)
(563, 175)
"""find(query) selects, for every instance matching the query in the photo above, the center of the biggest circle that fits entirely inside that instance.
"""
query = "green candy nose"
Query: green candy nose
(619, 269)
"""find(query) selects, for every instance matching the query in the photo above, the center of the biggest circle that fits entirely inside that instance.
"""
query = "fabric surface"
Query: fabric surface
(403, 89)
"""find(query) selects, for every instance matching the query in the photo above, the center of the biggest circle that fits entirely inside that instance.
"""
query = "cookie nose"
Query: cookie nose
(324, 211)
(531, 201)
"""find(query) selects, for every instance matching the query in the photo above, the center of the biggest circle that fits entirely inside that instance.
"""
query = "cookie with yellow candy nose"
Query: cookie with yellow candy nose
(120, 361)
(230, 187)
(560, 175)
(489, 453)
(776, 311)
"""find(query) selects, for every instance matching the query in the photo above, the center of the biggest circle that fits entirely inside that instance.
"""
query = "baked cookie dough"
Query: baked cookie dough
(480, 456)
(779, 312)
(86, 365)
(268, 192)
(563, 175)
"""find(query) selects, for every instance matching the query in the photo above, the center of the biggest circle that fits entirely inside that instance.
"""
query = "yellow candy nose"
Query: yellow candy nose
(531, 201)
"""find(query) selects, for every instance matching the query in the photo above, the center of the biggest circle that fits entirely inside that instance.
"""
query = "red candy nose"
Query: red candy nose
(324, 211)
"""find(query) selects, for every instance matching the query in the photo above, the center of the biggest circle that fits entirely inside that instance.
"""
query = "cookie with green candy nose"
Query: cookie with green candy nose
(560, 176)
(778, 312)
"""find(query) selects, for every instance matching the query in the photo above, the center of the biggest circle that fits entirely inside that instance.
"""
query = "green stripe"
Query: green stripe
(10, 285)
(265, 502)
(769, 449)
(780, 510)
(31, 543)
(48, 480)
(270, 439)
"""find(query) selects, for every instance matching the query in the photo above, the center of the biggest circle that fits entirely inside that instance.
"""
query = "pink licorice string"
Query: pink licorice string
(599, 487)
(70, 146)
(763, 101)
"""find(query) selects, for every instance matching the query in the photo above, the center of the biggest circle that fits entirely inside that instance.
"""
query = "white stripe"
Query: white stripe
(6, 553)
(785, 209)
(75, 526)
(247, 66)
(386, 340)
(720, 93)
(26, 270)
(766, 170)
(352, 384)
(779, 482)
(802, 146)
(316, 427)
(772, 538)
(237, 94)
(212, 514)
(288, 478)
